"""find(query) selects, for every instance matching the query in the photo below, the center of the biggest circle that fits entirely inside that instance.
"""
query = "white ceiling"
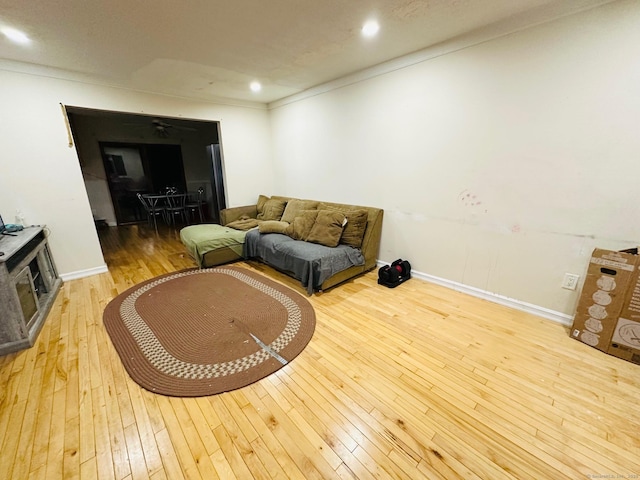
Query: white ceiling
(213, 49)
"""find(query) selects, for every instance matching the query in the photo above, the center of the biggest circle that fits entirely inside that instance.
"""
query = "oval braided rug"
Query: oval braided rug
(201, 332)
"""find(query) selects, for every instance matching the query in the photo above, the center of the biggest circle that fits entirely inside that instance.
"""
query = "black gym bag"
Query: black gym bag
(393, 275)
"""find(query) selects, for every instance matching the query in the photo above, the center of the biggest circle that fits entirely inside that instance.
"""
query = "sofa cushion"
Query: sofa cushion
(272, 209)
(301, 225)
(243, 223)
(354, 229)
(260, 204)
(272, 226)
(295, 206)
(353, 232)
(327, 228)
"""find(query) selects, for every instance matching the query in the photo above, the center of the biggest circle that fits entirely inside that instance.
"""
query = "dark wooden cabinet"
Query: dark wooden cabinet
(29, 283)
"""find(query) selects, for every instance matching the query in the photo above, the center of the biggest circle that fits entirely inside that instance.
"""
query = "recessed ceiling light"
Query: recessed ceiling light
(255, 86)
(370, 29)
(16, 36)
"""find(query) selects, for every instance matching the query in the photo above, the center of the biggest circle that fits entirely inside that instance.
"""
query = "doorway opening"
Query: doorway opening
(122, 154)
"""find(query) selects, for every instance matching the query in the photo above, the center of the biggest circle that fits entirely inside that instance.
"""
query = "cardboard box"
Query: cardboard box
(609, 305)
(625, 342)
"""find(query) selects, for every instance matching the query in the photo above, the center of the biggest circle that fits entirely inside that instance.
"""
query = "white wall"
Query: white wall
(41, 175)
(499, 166)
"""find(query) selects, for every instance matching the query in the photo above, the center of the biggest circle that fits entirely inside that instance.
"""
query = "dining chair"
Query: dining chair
(195, 205)
(153, 207)
(176, 207)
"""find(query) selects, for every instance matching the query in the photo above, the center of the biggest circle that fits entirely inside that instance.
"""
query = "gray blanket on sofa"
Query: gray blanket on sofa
(309, 262)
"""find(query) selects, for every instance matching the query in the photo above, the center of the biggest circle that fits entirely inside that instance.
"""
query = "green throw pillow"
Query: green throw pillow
(272, 210)
(353, 232)
(260, 205)
(272, 226)
(295, 206)
(301, 225)
(327, 228)
(243, 224)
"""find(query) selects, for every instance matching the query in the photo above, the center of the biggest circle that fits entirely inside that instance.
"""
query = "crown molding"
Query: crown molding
(515, 24)
(70, 76)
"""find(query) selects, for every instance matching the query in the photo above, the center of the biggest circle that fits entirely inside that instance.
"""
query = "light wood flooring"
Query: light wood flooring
(406, 383)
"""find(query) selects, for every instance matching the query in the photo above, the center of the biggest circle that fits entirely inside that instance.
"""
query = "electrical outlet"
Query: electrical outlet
(570, 281)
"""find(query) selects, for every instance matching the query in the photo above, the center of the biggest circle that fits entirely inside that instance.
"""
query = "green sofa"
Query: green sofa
(370, 239)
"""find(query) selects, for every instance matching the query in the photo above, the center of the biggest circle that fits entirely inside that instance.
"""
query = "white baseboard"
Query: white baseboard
(83, 273)
(543, 312)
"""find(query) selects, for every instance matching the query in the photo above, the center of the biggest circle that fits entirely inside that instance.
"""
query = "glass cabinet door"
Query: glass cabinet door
(27, 295)
(47, 269)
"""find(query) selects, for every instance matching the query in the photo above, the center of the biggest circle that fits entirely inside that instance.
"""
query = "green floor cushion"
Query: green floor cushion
(202, 239)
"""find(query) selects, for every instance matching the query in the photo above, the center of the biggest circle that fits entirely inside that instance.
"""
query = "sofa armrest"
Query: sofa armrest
(228, 215)
(372, 237)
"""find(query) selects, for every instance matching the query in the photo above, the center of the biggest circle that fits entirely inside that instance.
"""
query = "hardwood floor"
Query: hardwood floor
(406, 383)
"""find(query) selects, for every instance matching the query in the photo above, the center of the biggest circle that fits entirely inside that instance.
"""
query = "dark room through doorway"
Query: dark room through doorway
(122, 154)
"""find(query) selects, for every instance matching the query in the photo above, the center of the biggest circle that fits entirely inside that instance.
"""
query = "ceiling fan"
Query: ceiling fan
(161, 128)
